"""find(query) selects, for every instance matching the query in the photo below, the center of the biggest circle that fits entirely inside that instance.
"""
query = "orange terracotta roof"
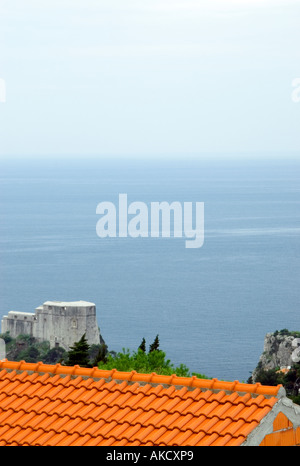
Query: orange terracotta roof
(283, 370)
(52, 405)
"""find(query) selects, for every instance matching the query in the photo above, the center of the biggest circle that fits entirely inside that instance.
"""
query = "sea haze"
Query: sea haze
(212, 306)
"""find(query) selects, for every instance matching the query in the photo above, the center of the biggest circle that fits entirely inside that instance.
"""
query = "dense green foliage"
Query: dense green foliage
(26, 348)
(140, 361)
(289, 380)
(286, 332)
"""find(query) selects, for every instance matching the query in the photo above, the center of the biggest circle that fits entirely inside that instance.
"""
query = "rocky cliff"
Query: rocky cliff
(281, 350)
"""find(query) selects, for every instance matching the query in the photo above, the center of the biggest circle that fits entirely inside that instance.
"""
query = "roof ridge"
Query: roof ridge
(153, 378)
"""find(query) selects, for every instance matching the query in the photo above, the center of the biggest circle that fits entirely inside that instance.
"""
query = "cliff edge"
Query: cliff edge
(281, 351)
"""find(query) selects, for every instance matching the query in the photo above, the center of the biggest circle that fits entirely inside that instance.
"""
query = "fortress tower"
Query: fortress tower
(61, 323)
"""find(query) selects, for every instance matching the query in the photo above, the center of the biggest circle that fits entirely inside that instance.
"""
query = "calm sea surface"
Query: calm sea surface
(212, 306)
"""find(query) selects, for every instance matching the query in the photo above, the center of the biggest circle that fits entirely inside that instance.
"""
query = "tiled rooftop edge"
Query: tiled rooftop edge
(153, 378)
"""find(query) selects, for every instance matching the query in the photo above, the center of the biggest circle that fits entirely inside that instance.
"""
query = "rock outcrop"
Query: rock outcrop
(281, 351)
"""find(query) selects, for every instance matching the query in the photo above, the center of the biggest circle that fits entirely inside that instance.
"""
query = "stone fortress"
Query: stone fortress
(58, 322)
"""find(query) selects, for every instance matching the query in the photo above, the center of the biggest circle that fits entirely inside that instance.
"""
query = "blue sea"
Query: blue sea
(212, 306)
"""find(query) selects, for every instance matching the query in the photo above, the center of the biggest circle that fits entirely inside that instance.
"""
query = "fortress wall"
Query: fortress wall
(92, 329)
(64, 323)
(18, 323)
(43, 324)
(60, 323)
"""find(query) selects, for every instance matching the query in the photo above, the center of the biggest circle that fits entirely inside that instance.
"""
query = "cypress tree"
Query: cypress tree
(155, 345)
(79, 353)
(143, 345)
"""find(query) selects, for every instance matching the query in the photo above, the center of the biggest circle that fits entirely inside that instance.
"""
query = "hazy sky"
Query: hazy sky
(148, 76)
